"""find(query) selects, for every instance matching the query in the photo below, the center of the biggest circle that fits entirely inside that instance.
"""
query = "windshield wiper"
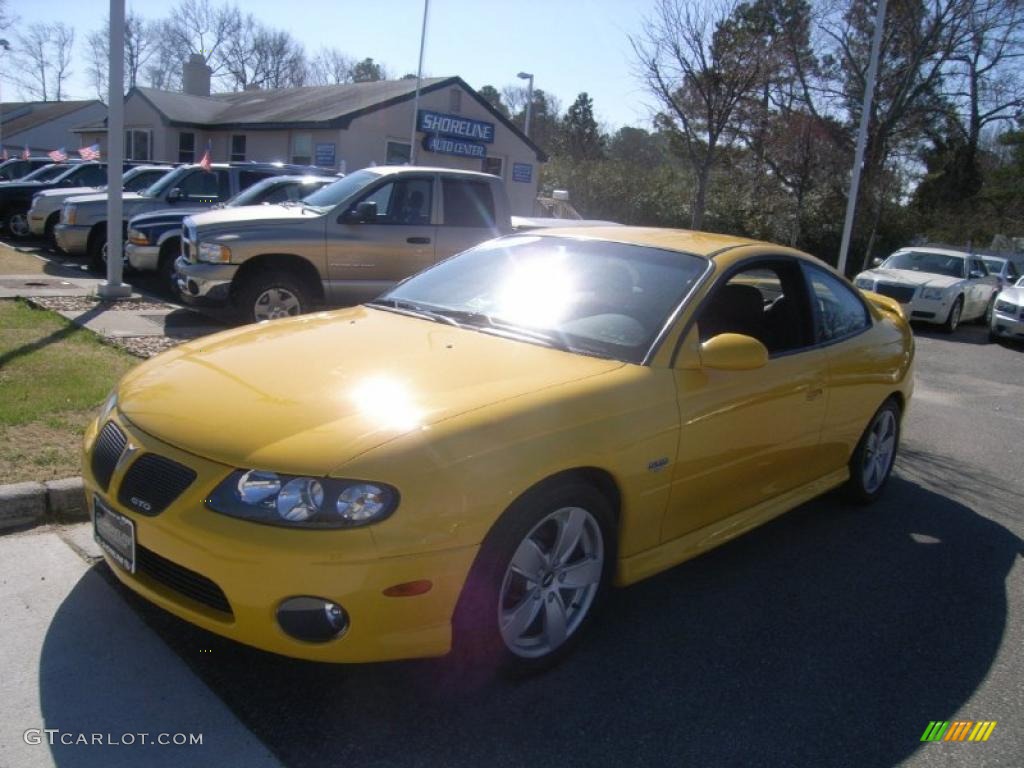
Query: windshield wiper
(413, 309)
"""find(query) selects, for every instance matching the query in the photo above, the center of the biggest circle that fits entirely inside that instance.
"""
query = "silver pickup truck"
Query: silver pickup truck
(344, 244)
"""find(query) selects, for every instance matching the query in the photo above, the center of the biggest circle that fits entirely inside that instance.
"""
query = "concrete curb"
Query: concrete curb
(24, 505)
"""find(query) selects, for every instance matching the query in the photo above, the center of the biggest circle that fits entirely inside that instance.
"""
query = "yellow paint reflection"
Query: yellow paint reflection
(388, 403)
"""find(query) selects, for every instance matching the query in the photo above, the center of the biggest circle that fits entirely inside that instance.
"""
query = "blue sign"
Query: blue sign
(455, 126)
(522, 172)
(448, 146)
(324, 155)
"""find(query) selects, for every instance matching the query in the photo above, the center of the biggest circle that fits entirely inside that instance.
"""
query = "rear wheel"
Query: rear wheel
(270, 296)
(953, 319)
(873, 459)
(17, 223)
(538, 580)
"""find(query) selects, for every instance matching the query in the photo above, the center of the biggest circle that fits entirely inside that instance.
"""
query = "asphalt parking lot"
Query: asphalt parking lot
(831, 636)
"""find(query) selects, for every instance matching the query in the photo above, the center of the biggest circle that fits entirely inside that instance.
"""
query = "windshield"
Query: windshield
(46, 173)
(586, 296)
(995, 266)
(342, 189)
(934, 263)
(138, 179)
(167, 182)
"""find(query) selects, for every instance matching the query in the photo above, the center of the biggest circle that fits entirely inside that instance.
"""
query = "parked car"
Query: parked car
(472, 459)
(18, 168)
(83, 226)
(1008, 314)
(1003, 269)
(154, 239)
(343, 244)
(16, 196)
(45, 211)
(936, 285)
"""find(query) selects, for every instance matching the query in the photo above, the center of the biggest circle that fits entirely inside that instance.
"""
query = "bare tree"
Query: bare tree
(700, 70)
(196, 27)
(141, 41)
(43, 55)
(261, 57)
(330, 67)
(6, 18)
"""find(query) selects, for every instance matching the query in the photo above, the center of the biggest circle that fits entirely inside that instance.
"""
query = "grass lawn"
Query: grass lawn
(13, 262)
(53, 376)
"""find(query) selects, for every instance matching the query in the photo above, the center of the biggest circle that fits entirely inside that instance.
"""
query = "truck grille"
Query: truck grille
(902, 293)
(107, 450)
(180, 579)
(152, 484)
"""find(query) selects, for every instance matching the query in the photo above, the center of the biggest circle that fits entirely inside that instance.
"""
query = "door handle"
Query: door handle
(815, 392)
(418, 240)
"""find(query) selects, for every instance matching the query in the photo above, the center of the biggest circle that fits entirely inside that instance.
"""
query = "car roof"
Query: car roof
(706, 244)
(384, 170)
(933, 249)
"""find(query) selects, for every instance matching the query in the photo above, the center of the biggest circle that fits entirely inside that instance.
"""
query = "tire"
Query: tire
(870, 469)
(50, 231)
(94, 250)
(271, 295)
(990, 309)
(17, 224)
(165, 267)
(507, 623)
(953, 319)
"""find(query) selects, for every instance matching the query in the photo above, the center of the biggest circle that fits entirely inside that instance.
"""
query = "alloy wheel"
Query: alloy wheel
(275, 303)
(18, 224)
(879, 450)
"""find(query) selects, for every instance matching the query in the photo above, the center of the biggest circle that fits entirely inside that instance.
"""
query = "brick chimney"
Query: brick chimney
(195, 76)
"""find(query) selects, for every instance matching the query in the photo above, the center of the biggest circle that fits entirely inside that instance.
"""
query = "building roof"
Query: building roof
(316, 106)
(20, 116)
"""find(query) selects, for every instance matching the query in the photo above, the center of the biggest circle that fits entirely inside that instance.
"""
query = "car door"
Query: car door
(204, 189)
(365, 257)
(751, 435)
(981, 286)
(467, 215)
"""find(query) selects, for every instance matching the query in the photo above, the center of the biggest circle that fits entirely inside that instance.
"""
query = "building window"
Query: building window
(238, 148)
(493, 165)
(138, 144)
(186, 147)
(397, 153)
(302, 148)
(455, 100)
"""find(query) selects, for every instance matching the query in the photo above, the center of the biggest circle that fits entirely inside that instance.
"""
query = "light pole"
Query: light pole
(529, 99)
(5, 47)
(419, 79)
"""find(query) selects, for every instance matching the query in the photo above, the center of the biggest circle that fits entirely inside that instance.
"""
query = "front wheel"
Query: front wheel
(50, 231)
(270, 296)
(165, 267)
(953, 319)
(17, 224)
(538, 580)
(873, 459)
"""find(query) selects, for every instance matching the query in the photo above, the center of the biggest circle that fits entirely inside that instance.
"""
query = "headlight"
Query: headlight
(135, 237)
(933, 294)
(213, 253)
(302, 502)
(69, 214)
(1005, 306)
(865, 283)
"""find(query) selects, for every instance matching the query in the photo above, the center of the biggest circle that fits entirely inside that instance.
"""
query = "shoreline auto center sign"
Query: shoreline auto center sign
(454, 135)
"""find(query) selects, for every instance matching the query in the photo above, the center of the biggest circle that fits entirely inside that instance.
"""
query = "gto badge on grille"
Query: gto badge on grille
(142, 504)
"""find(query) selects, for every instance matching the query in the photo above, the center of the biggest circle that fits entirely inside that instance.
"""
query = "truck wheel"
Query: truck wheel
(50, 233)
(165, 269)
(270, 296)
(17, 223)
(95, 251)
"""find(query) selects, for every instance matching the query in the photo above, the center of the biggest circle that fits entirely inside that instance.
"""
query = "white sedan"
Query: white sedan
(935, 285)
(1008, 317)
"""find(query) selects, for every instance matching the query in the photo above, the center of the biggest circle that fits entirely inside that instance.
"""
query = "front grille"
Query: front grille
(180, 579)
(901, 293)
(152, 483)
(106, 451)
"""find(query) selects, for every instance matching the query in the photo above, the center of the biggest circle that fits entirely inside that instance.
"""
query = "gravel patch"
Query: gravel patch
(84, 304)
(145, 346)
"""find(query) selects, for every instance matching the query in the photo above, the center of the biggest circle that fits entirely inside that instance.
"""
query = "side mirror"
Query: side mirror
(976, 274)
(733, 352)
(175, 195)
(876, 262)
(364, 211)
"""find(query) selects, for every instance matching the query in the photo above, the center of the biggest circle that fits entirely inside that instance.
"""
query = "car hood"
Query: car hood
(1012, 293)
(307, 394)
(101, 197)
(910, 277)
(66, 191)
(246, 213)
(165, 214)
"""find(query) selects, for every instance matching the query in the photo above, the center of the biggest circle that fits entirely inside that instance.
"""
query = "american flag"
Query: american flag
(6, 156)
(58, 155)
(205, 163)
(90, 153)
(26, 154)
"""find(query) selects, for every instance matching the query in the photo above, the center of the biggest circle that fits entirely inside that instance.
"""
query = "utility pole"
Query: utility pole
(419, 78)
(529, 99)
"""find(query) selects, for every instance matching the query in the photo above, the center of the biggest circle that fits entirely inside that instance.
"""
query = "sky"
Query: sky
(569, 45)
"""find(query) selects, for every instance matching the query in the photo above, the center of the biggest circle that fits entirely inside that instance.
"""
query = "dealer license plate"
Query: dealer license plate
(115, 533)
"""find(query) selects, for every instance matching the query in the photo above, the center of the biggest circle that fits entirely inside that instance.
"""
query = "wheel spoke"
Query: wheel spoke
(516, 621)
(554, 620)
(569, 531)
(529, 561)
(581, 574)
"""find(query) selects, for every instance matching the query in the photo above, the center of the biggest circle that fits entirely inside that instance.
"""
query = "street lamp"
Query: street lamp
(529, 99)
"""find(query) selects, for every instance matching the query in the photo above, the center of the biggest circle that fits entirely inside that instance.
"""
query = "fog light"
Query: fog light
(312, 619)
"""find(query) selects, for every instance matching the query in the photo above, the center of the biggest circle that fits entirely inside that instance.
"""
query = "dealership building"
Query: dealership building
(344, 127)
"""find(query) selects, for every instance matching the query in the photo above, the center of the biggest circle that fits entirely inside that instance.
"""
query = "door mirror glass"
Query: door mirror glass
(876, 262)
(976, 274)
(733, 352)
(362, 213)
(175, 195)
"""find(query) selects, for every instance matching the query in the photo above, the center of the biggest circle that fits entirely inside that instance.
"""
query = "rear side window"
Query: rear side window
(468, 204)
(92, 176)
(839, 311)
(207, 186)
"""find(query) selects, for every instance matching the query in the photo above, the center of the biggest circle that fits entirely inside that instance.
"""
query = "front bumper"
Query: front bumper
(72, 238)
(37, 221)
(145, 258)
(259, 566)
(204, 284)
(1007, 325)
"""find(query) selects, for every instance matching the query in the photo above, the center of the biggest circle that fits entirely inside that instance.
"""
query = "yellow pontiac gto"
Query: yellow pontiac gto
(471, 460)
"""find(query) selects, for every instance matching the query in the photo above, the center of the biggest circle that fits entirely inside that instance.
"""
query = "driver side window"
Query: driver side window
(407, 201)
